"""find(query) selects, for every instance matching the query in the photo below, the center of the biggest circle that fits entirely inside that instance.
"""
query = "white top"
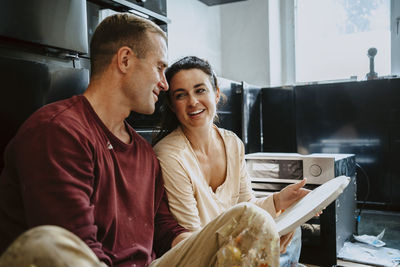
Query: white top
(192, 201)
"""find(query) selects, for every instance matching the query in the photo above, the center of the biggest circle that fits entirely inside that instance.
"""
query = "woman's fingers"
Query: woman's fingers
(285, 241)
(300, 184)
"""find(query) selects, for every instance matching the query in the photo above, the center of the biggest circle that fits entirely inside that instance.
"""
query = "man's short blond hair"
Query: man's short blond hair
(116, 31)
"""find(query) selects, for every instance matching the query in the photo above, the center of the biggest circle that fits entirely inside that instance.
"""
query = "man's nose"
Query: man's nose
(163, 85)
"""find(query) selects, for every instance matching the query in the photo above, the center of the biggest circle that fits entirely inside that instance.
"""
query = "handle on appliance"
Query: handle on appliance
(69, 55)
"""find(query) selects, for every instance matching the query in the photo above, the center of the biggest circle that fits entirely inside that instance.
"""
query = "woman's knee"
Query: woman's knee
(250, 216)
(253, 237)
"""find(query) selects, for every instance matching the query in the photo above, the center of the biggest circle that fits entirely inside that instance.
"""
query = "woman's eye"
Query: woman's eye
(201, 90)
(179, 96)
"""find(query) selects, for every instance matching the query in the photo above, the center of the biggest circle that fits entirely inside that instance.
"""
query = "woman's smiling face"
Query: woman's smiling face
(193, 98)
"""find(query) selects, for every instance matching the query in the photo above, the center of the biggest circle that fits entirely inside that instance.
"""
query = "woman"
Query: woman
(203, 166)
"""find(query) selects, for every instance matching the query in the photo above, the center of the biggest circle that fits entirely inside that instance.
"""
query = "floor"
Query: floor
(344, 264)
(372, 223)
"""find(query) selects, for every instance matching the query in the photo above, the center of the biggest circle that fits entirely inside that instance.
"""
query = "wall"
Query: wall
(245, 41)
(195, 29)
(233, 37)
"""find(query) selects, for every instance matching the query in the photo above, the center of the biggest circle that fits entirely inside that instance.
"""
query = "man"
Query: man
(77, 165)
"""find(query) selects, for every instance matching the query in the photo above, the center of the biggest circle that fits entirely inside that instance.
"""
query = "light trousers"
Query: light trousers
(244, 235)
(292, 255)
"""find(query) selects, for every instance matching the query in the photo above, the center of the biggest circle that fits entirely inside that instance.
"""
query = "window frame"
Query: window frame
(288, 40)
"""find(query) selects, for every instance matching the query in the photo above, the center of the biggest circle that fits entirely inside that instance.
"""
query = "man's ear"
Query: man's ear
(124, 58)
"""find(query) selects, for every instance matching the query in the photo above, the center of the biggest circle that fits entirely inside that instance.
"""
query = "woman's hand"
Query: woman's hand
(285, 241)
(289, 195)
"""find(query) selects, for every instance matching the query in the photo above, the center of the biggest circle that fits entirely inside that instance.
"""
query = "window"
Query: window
(332, 38)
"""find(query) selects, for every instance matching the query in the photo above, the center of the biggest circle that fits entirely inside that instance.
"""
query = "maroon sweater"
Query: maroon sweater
(64, 167)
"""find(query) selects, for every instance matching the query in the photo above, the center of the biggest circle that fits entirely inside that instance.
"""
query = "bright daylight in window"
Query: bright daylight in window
(333, 37)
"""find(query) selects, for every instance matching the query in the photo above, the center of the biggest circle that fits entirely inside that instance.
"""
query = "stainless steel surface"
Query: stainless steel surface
(251, 117)
(143, 10)
(291, 167)
(53, 23)
(155, 10)
(218, 2)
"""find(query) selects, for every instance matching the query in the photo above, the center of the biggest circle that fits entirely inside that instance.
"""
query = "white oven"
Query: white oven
(292, 167)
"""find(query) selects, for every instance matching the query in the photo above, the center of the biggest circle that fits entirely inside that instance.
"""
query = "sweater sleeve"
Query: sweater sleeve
(166, 228)
(246, 192)
(55, 166)
(181, 196)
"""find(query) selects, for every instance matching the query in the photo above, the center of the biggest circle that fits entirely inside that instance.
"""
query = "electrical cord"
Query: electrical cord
(366, 196)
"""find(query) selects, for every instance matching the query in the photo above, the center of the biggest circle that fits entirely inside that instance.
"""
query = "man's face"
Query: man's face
(146, 78)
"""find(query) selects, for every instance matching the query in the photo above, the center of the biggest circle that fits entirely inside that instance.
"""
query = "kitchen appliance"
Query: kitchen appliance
(229, 109)
(44, 53)
(361, 118)
(42, 58)
(325, 235)
(292, 167)
(251, 117)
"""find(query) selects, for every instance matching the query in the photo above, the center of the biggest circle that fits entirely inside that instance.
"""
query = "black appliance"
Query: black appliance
(42, 48)
(252, 112)
(278, 113)
(229, 108)
(44, 53)
(239, 111)
(360, 118)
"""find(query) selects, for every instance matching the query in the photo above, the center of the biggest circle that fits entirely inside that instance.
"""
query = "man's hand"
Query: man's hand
(289, 195)
(285, 241)
(179, 238)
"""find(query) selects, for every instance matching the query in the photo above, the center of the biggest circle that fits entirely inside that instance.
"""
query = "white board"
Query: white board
(311, 204)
